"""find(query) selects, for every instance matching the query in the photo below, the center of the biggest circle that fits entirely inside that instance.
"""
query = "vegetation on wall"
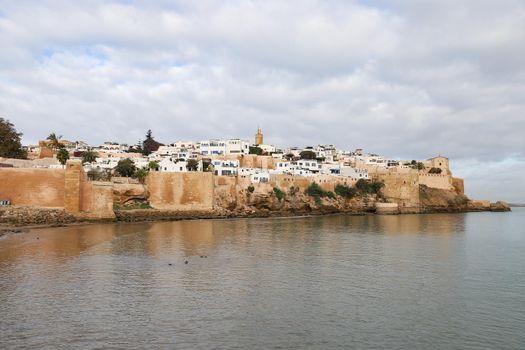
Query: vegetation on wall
(345, 191)
(371, 187)
(435, 171)
(10, 141)
(250, 189)
(278, 193)
(315, 191)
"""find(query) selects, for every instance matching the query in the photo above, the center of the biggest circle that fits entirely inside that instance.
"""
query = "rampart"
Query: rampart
(181, 191)
(440, 181)
(42, 188)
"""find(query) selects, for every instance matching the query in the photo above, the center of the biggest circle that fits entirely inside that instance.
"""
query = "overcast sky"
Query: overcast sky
(408, 79)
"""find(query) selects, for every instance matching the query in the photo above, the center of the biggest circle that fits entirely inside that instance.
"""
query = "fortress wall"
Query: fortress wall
(459, 185)
(255, 161)
(42, 188)
(440, 181)
(181, 191)
(97, 200)
(402, 189)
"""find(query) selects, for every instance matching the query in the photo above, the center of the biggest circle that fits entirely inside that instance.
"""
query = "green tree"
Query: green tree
(289, 156)
(126, 167)
(10, 144)
(54, 141)
(63, 156)
(345, 191)
(192, 165)
(154, 165)
(89, 157)
(278, 193)
(307, 155)
(141, 174)
(255, 150)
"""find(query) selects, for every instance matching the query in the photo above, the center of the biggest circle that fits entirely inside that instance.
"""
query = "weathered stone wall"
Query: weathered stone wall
(43, 188)
(97, 200)
(255, 161)
(402, 189)
(459, 185)
(181, 191)
(440, 181)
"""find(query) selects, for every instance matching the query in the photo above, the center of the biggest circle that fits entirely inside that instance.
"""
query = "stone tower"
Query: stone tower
(258, 137)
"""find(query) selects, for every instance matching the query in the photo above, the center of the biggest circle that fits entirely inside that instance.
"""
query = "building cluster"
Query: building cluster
(241, 158)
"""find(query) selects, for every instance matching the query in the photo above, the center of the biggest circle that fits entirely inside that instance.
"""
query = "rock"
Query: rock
(499, 206)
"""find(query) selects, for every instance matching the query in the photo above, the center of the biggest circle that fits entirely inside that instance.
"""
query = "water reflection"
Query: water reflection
(319, 282)
(202, 237)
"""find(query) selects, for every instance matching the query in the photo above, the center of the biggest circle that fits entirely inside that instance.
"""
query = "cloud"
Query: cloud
(395, 77)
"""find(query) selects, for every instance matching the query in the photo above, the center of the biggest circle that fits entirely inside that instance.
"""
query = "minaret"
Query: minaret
(258, 137)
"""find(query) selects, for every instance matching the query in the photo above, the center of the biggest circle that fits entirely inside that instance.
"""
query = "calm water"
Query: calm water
(451, 281)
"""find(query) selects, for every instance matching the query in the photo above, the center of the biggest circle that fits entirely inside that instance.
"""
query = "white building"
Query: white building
(225, 167)
(224, 147)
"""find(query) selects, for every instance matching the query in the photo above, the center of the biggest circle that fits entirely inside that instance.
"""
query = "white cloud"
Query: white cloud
(395, 77)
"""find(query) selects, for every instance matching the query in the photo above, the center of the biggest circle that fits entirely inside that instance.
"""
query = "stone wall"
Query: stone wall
(402, 189)
(42, 188)
(441, 181)
(181, 191)
(459, 185)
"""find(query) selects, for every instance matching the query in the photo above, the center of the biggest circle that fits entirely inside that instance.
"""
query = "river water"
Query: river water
(440, 281)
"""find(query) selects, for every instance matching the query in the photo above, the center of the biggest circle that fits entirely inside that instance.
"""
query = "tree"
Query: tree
(141, 174)
(345, 191)
(435, 170)
(289, 156)
(54, 141)
(10, 144)
(154, 165)
(89, 157)
(255, 150)
(150, 145)
(63, 156)
(192, 165)
(126, 167)
(307, 155)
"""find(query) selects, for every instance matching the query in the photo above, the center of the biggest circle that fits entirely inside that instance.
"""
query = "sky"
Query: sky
(406, 79)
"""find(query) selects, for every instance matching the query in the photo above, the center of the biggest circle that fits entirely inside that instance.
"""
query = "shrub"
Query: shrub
(255, 150)
(293, 190)
(365, 186)
(435, 170)
(141, 174)
(126, 167)
(314, 190)
(278, 193)
(345, 191)
(251, 189)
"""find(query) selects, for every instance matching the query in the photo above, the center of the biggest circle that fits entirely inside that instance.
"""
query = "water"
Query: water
(443, 281)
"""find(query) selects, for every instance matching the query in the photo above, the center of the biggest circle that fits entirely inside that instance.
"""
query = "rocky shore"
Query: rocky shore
(250, 205)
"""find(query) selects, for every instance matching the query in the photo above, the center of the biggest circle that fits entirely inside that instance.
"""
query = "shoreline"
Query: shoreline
(152, 215)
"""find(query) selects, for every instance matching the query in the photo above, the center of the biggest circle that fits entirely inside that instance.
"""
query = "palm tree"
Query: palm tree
(54, 141)
(63, 156)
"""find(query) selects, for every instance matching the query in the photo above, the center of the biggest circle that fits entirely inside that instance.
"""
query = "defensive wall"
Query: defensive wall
(58, 189)
(440, 181)
(70, 189)
(181, 191)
